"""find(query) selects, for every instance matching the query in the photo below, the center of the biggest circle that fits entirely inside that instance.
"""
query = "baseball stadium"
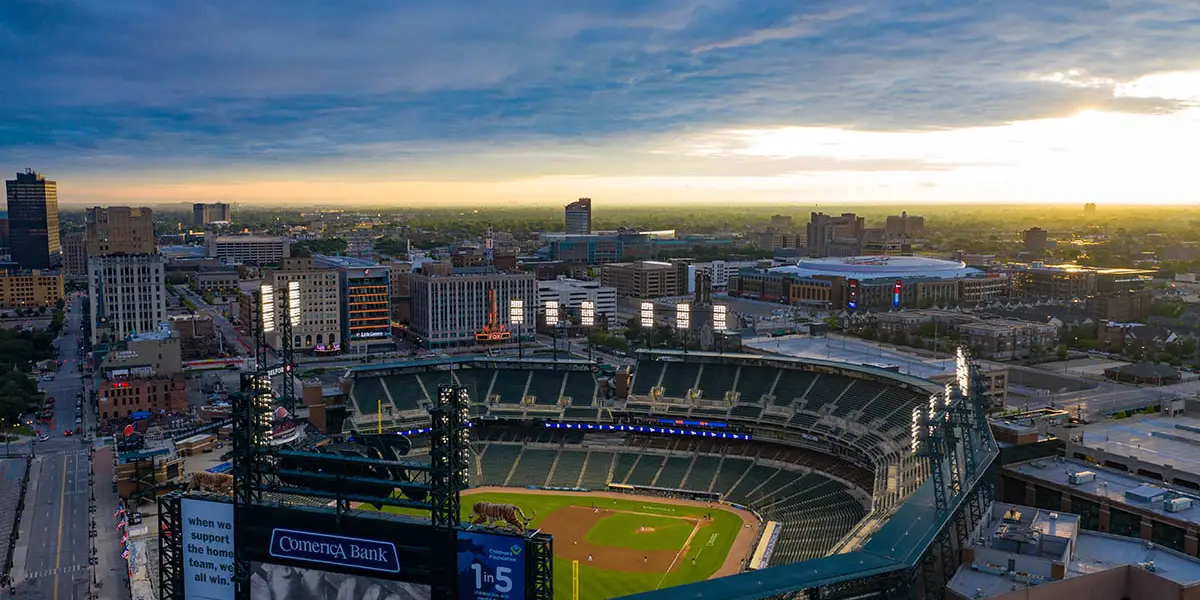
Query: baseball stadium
(711, 475)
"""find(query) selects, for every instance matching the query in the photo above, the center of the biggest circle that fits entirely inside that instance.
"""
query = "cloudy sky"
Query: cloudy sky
(627, 101)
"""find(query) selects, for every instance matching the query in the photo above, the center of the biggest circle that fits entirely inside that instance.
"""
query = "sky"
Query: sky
(628, 102)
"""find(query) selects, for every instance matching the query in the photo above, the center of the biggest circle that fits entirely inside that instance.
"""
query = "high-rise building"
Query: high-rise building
(451, 310)
(1089, 209)
(843, 233)
(128, 295)
(320, 326)
(646, 278)
(33, 221)
(1035, 239)
(904, 225)
(781, 222)
(365, 302)
(119, 230)
(207, 214)
(579, 216)
(74, 254)
(32, 289)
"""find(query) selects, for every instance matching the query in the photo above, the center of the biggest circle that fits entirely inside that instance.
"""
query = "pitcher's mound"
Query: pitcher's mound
(645, 530)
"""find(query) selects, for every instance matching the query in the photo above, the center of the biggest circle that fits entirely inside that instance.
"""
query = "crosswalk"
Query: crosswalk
(58, 571)
(64, 452)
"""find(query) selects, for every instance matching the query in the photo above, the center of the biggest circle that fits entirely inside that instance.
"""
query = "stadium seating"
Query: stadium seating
(581, 388)
(595, 472)
(860, 393)
(646, 376)
(367, 392)
(701, 476)
(755, 382)
(624, 464)
(533, 468)
(645, 469)
(716, 379)
(498, 460)
(433, 379)
(405, 391)
(568, 468)
(826, 389)
(673, 472)
(510, 385)
(792, 386)
(545, 386)
(678, 378)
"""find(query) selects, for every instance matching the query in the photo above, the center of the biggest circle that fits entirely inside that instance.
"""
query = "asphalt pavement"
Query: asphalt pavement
(51, 560)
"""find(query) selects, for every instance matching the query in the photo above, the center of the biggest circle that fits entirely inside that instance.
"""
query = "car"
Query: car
(68, 433)
(47, 378)
(78, 420)
(43, 437)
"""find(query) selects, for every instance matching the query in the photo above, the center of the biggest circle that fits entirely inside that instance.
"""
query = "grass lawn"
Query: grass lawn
(709, 547)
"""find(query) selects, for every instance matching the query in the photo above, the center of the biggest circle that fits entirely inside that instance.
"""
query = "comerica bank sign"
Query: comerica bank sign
(356, 553)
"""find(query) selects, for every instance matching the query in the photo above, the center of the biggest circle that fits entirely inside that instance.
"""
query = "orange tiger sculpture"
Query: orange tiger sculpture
(486, 513)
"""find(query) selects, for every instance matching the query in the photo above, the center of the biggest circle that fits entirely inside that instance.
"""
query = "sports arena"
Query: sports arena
(880, 267)
(734, 476)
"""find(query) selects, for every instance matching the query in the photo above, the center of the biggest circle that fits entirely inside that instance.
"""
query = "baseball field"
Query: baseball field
(628, 544)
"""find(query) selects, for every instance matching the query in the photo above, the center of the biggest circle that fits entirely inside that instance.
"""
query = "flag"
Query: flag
(120, 524)
(125, 554)
(124, 538)
(120, 511)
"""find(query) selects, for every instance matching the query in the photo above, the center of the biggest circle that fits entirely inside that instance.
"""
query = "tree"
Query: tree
(1061, 352)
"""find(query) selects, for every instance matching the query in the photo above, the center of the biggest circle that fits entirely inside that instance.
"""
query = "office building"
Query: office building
(33, 221)
(365, 302)
(74, 254)
(30, 289)
(721, 270)
(124, 397)
(841, 234)
(128, 294)
(207, 214)
(119, 230)
(646, 279)
(774, 239)
(1004, 339)
(218, 280)
(579, 217)
(154, 353)
(320, 326)
(904, 226)
(599, 248)
(570, 294)
(783, 222)
(451, 310)
(1035, 240)
(1089, 209)
(254, 249)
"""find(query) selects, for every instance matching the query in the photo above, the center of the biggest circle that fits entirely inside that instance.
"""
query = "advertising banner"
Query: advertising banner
(280, 582)
(207, 549)
(357, 553)
(490, 566)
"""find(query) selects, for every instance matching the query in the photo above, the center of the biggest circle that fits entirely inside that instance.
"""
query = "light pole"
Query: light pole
(551, 312)
(516, 318)
(587, 320)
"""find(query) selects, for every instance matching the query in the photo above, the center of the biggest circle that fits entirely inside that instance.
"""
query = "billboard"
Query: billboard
(852, 294)
(282, 582)
(490, 566)
(207, 549)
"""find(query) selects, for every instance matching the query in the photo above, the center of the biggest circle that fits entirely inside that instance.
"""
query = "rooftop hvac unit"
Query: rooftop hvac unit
(1177, 504)
(1081, 477)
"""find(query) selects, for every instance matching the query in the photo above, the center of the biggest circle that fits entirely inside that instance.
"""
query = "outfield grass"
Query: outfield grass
(620, 531)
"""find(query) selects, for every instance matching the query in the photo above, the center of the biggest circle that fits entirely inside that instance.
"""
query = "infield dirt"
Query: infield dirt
(569, 526)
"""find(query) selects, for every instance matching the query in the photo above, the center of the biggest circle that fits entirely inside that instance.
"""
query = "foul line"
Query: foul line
(686, 544)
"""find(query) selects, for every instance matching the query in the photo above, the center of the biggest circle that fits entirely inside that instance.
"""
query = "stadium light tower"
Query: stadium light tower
(516, 317)
(551, 311)
(683, 321)
(587, 319)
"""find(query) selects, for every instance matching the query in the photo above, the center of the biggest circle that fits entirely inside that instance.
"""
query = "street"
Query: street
(51, 560)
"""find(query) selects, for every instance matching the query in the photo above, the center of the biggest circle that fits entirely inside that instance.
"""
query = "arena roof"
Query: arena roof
(880, 267)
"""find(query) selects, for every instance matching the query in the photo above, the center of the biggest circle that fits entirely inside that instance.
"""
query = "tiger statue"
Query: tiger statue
(486, 513)
(218, 483)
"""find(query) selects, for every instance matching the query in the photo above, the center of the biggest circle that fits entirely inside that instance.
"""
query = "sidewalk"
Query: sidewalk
(25, 527)
(111, 571)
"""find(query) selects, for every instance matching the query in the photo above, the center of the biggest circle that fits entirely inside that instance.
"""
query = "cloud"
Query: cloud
(537, 88)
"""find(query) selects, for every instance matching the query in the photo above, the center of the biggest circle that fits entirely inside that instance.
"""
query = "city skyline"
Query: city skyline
(874, 102)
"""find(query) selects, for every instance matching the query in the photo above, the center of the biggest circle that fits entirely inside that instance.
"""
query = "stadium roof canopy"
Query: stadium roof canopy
(880, 267)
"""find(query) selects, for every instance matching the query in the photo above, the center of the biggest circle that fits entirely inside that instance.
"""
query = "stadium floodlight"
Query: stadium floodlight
(917, 418)
(647, 314)
(719, 322)
(266, 308)
(294, 302)
(516, 312)
(935, 405)
(683, 316)
(587, 313)
(963, 371)
(552, 313)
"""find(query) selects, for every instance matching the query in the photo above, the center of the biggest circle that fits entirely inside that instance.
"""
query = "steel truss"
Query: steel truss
(170, 546)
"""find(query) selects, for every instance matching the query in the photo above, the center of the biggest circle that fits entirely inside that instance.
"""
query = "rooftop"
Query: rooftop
(880, 267)
(1164, 441)
(1109, 483)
